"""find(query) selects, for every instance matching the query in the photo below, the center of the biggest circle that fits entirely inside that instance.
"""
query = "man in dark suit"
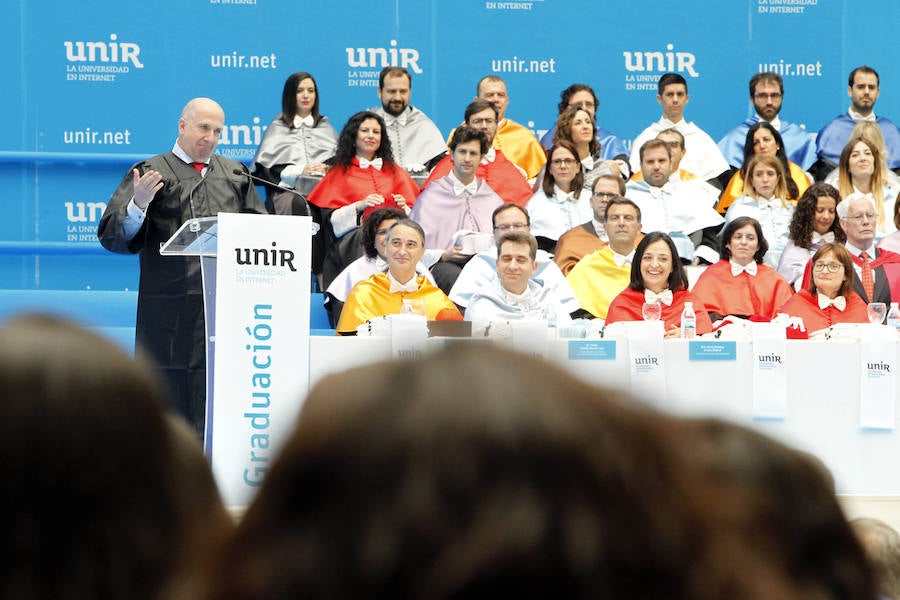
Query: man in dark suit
(876, 273)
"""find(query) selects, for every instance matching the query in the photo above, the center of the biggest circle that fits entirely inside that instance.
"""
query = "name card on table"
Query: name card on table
(646, 356)
(409, 336)
(769, 371)
(592, 350)
(712, 350)
(878, 377)
(530, 337)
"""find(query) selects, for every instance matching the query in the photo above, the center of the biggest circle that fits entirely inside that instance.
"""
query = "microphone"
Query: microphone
(194, 227)
(262, 181)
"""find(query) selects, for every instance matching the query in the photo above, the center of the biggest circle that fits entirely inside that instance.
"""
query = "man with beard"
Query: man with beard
(416, 141)
(767, 94)
(863, 89)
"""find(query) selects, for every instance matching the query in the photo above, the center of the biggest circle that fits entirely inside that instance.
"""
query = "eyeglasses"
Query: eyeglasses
(477, 122)
(867, 216)
(833, 267)
(672, 144)
(583, 105)
(567, 162)
(603, 195)
(508, 226)
(762, 96)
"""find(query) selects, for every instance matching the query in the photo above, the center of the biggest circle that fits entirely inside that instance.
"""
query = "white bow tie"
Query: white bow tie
(400, 119)
(621, 260)
(365, 164)
(459, 189)
(737, 269)
(489, 156)
(587, 162)
(410, 286)
(307, 120)
(665, 297)
(826, 238)
(839, 302)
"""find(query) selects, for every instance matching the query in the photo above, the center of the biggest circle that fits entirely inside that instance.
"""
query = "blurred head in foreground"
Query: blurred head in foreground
(105, 493)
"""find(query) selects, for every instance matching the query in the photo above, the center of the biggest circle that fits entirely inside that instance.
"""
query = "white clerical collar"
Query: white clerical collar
(772, 202)
(664, 296)
(489, 156)
(855, 116)
(562, 196)
(402, 119)
(750, 268)
(307, 120)
(622, 259)
(839, 302)
(460, 188)
(822, 238)
(375, 163)
(410, 286)
(513, 298)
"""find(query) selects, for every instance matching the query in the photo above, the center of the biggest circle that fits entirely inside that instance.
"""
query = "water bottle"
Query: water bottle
(688, 321)
(893, 316)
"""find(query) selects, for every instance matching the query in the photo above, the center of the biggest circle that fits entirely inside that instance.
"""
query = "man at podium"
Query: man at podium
(154, 199)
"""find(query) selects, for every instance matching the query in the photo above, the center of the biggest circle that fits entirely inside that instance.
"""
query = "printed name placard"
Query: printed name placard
(712, 350)
(592, 350)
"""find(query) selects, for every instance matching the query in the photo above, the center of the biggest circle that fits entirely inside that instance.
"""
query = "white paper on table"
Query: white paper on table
(530, 337)
(878, 376)
(769, 371)
(409, 336)
(646, 355)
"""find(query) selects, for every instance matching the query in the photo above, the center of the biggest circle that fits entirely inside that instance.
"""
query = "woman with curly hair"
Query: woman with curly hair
(814, 223)
(363, 177)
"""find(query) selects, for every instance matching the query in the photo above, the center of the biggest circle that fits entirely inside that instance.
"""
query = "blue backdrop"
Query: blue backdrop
(96, 85)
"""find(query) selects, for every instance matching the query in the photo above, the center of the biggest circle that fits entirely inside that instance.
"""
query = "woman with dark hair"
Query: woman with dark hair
(657, 276)
(762, 138)
(563, 202)
(765, 199)
(106, 497)
(740, 284)
(363, 177)
(297, 142)
(861, 168)
(830, 297)
(576, 125)
(813, 223)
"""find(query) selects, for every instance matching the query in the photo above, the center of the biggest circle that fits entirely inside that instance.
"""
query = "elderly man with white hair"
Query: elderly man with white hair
(876, 272)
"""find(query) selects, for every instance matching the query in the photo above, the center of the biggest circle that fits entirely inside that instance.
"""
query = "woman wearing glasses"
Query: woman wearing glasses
(563, 202)
(830, 297)
(576, 125)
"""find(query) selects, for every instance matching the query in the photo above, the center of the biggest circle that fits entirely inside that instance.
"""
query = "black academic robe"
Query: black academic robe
(170, 326)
